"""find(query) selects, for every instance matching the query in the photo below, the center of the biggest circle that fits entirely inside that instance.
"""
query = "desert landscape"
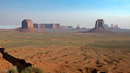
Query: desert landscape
(64, 36)
(61, 52)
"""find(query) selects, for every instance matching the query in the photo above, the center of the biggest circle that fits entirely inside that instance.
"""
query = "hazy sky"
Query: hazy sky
(65, 12)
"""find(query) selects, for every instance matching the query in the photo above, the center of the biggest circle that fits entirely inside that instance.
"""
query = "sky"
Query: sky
(65, 12)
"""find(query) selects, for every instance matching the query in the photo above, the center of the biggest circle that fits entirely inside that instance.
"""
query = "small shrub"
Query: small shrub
(32, 70)
(13, 70)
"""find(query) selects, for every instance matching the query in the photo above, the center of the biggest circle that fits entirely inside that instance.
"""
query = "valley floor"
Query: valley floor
(75, 59)
(68, 52)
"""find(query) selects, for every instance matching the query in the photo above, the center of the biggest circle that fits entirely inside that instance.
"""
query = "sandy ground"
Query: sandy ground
(73, 59)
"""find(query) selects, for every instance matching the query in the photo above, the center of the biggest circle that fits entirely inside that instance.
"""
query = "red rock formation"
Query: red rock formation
(99, 27)
(99, 23)
(27, 23)
(49, 26)
(27, 26)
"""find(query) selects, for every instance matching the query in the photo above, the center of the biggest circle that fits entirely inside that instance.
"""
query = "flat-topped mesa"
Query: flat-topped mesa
(27, 23)
(47, 26)
(99, 23)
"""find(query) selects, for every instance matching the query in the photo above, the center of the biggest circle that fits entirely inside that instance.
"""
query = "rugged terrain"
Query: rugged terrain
(68, 52)
(74, 60)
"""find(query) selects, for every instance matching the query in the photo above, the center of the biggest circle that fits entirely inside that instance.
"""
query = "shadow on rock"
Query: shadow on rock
(20, 63)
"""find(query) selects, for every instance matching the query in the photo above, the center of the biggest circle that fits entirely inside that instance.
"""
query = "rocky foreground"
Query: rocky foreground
(73, 60)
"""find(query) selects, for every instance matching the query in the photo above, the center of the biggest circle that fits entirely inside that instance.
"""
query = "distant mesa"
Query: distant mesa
(27, 26)
(67, 27)
(79, 29)
(47, 26)
(114, 27)
(99, 27)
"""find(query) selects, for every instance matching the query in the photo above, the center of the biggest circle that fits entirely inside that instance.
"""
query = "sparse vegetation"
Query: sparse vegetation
(32, 70)
(26, 70)
(54, 49)
(13, 40)
(13, 70)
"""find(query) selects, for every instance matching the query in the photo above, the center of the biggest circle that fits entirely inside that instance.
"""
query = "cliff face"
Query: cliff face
(27, 23)
(99, 23)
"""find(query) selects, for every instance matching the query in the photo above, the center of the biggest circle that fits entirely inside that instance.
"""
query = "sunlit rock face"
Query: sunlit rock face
(27, 23)
(27, 26)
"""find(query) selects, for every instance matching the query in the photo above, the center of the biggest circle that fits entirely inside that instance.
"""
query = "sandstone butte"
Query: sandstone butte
(27, 26)
(99, 27)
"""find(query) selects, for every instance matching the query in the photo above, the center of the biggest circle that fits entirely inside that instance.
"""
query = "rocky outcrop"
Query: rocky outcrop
(20, 63)
(99, 27)
(4, 65)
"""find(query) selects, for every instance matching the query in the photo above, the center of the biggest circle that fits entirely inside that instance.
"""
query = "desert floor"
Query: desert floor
(68, 52)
